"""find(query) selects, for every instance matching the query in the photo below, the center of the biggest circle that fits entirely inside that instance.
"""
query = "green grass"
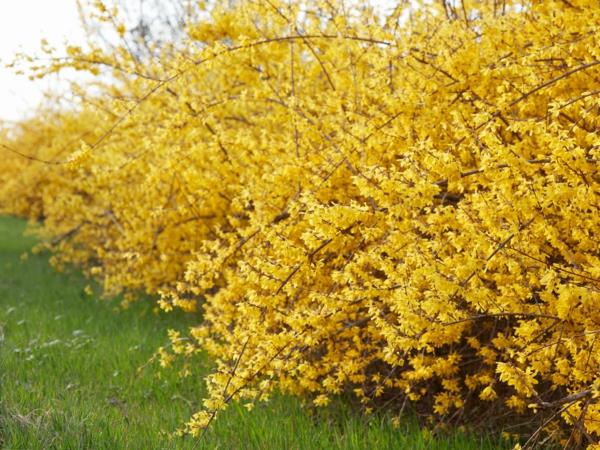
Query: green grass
(69, 378)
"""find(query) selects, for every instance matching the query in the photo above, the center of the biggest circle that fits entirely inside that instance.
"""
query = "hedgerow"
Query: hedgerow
(404, 209)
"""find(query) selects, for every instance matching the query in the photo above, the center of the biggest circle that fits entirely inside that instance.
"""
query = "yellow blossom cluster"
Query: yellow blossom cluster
(400, 206)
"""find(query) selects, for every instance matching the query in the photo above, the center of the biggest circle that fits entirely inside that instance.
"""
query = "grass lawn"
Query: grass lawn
(69, 378)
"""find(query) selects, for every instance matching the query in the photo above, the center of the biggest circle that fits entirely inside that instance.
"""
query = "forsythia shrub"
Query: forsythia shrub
(400, 208)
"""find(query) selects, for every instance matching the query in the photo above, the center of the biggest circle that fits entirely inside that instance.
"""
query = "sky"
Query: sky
(23, 23)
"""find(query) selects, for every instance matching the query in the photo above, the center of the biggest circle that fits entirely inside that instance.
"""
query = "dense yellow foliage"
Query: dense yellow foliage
(398, 208)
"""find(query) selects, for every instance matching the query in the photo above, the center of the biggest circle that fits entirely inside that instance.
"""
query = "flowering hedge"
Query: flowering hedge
(400, 208)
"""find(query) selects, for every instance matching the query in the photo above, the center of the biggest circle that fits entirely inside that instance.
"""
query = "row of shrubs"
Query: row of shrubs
(403, 209)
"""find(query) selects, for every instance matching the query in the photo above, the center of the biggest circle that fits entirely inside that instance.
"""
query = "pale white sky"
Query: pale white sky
(23, 23)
